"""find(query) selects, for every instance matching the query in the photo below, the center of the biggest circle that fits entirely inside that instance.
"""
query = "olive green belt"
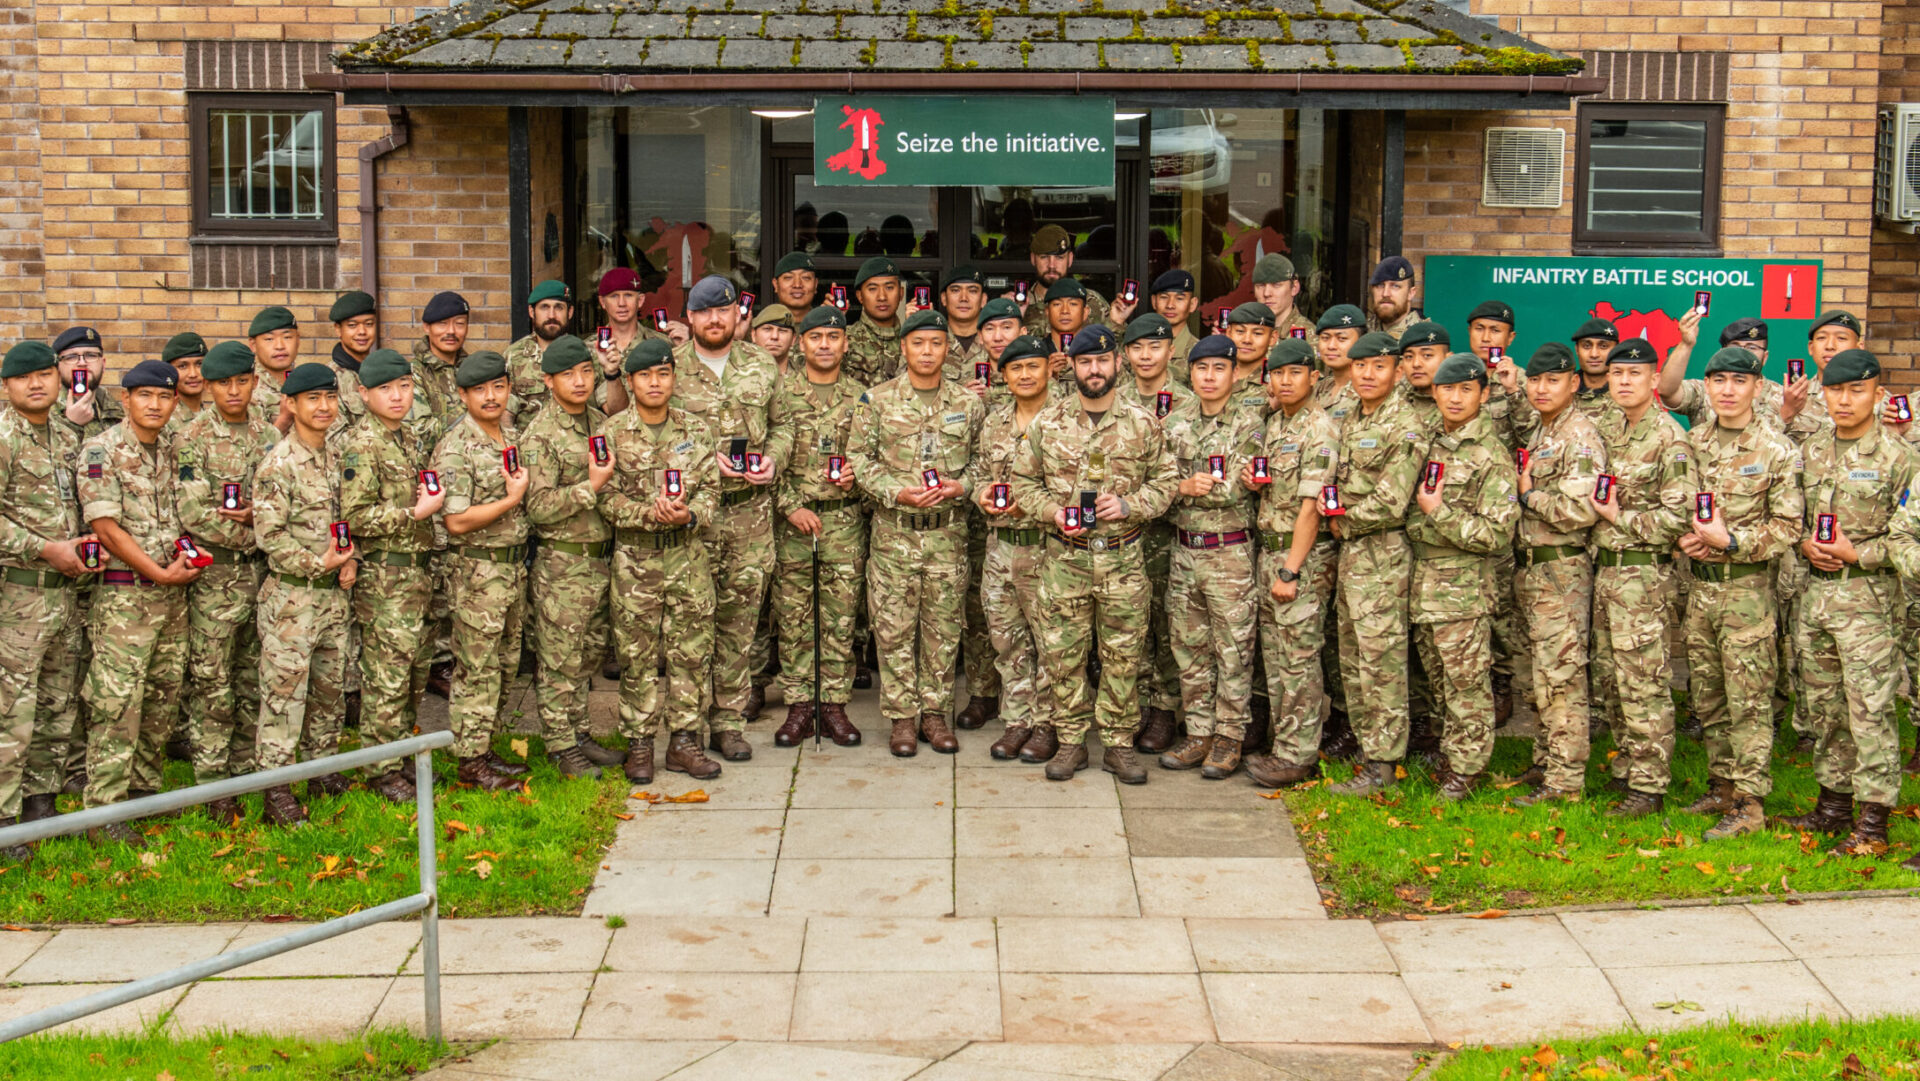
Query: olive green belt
(512, 553)
(828, 506)
(1282, 542)
(1547, 553)
(1727, 572)
(1020, 538)
(1436, 551)
(920, 523)
(589, 549)
(658, 541)
(324, 581)
(37, 579)
(738, 496)
(397, 559)
(1845, 573)
(1607, 557)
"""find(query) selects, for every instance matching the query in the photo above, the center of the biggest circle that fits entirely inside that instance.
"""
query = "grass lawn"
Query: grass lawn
(374, 1057)
(507, 854)
(1805, 1051)
(1410, 852)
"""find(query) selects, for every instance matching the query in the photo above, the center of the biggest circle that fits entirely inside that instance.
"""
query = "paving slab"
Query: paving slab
(1342, 1007)
(534, 1005)
(1093, 944)
(1044, 887)
(1213, 1062)
(1465, 945)
(897, 1006)
(985, 786)
(1761, 991)
(1210, 831)
(131, 1017)
(1308, 1063)
(1104, 1008)
(863, 888)
(379, 950)
(682, 887)
(1049, 832)
(109, 954)
(17, 946)
(1871, 986)
(1206, 886)
(867, 944)
(1515, 1005)
(1186, 789)
(1304, 945)
(707, 944)
(578, 1060)
(799, 1062)
(830, 833)
(1112, 1062)
(1632, 938)
(872, 786)
(947, 1071)
(689, 1006)
(313, 1008)
(716, 835)
(1869, 927)
(520, 944)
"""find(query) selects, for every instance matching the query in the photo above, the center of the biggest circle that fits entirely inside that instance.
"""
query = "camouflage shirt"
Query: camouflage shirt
(818, 420)
(1398, 327)
(1691, 402)
(36, 489)
(900, 432)
(1565, 456)
(995, 447)
(1233, 435)
(736, 404)
(1455, 547)
(471, 470)
(1421, 406)
(434, 390)
(643, 456)
(1123, 453)
(1338, 403)
(529, 385)
(561, 503)
(1524, 420)
(1035, 320)
(212, 454)
(107, 412)
(1303, 456)
(346, 373)
(873, 351)
(1178, 394)
(1380, 459)
(1653, 485)
(182, 415)
(1754, 474)
(296, 500)
(379, 478)
(133, 484)
(1862, 485)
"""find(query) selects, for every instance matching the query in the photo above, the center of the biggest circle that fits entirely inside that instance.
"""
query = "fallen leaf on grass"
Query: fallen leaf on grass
(1704, 867)
(1546, 1056)
(1649, 853)
(219, 852)
(1853, 1067)
(163, 1075)
(518, 746)
(482, 869)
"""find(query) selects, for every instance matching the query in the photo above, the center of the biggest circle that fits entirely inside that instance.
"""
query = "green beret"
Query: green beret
(1272, 269)
(1460, 368)
(1836, 317)
(383, 366)
(1426, 332)
(651, 353)
(269, 320)
(563, 353)
(482, 367)
(1291, 351)
(1733, 359)
(1632, 351)
(963, 275)
(1066, 289)
(1495, 310)
(228, 359)
(1848, 366)
(1251, 314)
(349, 305)
(1151, 327)
(924, 320)
(822, 315)
(1374, 343)
(27, 358)
(184, 344)
(1341, 317)
(1596, 328)
(998, 308)
(1550, 358)
(1026, 345)
(792, 261)
(551, 289)
(877, 267)
(309, 376)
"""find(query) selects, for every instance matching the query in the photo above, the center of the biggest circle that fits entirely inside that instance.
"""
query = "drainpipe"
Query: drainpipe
(370, 156)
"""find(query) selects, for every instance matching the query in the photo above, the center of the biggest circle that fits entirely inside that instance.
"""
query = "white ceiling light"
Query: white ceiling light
(782, 114)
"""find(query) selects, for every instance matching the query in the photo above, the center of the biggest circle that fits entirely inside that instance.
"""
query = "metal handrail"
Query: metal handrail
(426, 902)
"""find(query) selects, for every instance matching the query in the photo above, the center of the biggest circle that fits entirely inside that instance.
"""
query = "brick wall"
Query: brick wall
(22, 262)
(1894, 315)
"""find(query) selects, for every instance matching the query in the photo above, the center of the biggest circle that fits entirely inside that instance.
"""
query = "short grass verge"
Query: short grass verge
(1813, 1050)
(377, 1056)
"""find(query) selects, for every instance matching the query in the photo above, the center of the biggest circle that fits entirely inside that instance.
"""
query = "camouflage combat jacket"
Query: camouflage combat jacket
(736, 404)
(296, 500)
(1194, 438)
(1124, 453)
(1861, 485)
(1754, 474)
(1456, 548)
(379, 478)
(643, 456)
(470, 467)
(133, 484)
(37, 502)
(211, 454)
(555, 449)
(1653, 484)
(1565, 457)
(818, 421)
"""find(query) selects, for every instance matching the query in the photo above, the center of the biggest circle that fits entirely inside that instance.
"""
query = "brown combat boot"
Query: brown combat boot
(1186, 754)
(596, 752)
(1041, 746)
(1125, 766)
(478, 771)
(1337, 740)
(1832, 813)
(1546, 793)
(1070, 759)
(685, 756)
(35, 808)
(1869, 836)
(126, 835)
(904, 741)
(639, 761)
(1502, 701)
(1223, 758)
(797, 727)
(1747, 816)
(1268, 771)
(933, 729)
(1369, 777)
(1007, 747)
(440, 679)
(1259, 724)
(1157, 730)
(730, 745)
(756, 702)
(1638, 804)
(833, 718)
(501, 765)
(393, 786)
(572, 762)
(330, 784)
(1455, 787)
(279, 808)
(979, 710)
(1717, 801)
(1912, 766)
(1532, 777)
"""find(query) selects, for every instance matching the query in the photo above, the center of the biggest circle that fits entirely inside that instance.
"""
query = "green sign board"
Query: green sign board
(1023, 141)
(1645, 298)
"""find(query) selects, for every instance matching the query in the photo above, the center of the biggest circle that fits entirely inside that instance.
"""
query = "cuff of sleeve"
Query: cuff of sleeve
(90, 512)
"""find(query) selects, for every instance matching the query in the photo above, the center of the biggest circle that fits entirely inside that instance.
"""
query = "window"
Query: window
(263, 165)
(1648, 176)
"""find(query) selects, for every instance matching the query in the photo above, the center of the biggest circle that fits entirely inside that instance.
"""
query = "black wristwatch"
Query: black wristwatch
(1286, 575)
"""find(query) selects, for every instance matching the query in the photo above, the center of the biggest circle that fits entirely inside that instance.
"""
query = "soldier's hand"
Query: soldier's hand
(1794, 398)
(1120, 311)
(1060, 523)
(1429, 501)
(426, 506)
(1284, 591)
(845, 483)
(335, 557)
(1690, 328)
(516, 481)
(65, 557)
(985, 502)
(678, 332)
(243, 516)
(1197, 485)
(80, 410)
(1108, 507)
(1610, 510)
(1820, 555)
(762, 476)
(672, 511)
(599, 474)
(1841, 548)
(805, 521)
(1526, 476)
(1692, 546)
(917, 497)
(950, 489)
(1714, 533)
(180, 572)
(1059, 364)
(726, 466)
(1334, 525)
(349, 573)
(978, 389)
(1508, 373)
(1891, 417)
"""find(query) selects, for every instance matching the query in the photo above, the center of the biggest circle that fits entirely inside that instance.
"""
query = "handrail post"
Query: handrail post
(430, 888)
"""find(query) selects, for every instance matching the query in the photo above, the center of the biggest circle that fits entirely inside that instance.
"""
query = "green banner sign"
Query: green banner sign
(1645, 298)
(1041, 142)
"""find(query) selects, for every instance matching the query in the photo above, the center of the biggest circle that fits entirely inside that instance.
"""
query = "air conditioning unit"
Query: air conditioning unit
(1896, 166)
(1524, 167)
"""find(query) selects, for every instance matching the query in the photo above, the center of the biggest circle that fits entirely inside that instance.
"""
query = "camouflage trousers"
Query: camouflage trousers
(1376, 573)
(1292, 637)
(1632, 673)
(1849, 668)
(739, 547)
(1159, 672)
(1511, 659)
(766, 642)
(1009, 592)
(1457, 657)
(1730, 665)
(1790, 579)
(568, 597)
(133, 686)
(59, 747)
(977, 654)
(1213, 616)
(303, 671)
(223, 669)
(489, 616)
(37, 673)
(1088, 597)
(1557, 596)
(662, 617)
(843, 561)
(1910, 635)
(916, 582)
(390, 607)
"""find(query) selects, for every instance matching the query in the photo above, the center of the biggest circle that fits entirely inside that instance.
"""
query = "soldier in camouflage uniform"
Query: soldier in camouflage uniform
(1390, 290)
(1565, 455)
(98, 409)
(730, 386)
(549, 313)
(223, 447)
(1063, 314)
(185, 351)
(1094, 451)
(1423, 348)
(818, 528)
(1297, 563)
(1336, 332)
(1250, 328)
(1856, 478)
(436, 359)
(1381, 452)
(1752, 475)
(772, 329)
(304, 600)
(40, 538)
(665, 491)
(567, 586)
(139, 617)
(1146, 350)
(356, 321)
(999, 324)
(1213, 598)
(796, 283)
(1462, 521)
(274, 337)
(1052, 256)
(873, 341)
(386, 505)
(1633, 577)
(1175, 298)
(1593, 343)
(1277, 285)
(962, 300)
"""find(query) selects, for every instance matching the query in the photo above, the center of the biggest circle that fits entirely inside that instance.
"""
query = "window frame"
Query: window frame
(1601, 241)
(205, 225)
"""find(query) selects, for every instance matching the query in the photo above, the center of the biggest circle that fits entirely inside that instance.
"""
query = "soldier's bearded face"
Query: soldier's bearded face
(713, 327)
(359, 333)
(1093, 373)
(550, 319)
(1051, 268)
(34, 393)
(1631, 384)
(824, 348)
(1391, 300)
(390, 400)
(572, 387)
